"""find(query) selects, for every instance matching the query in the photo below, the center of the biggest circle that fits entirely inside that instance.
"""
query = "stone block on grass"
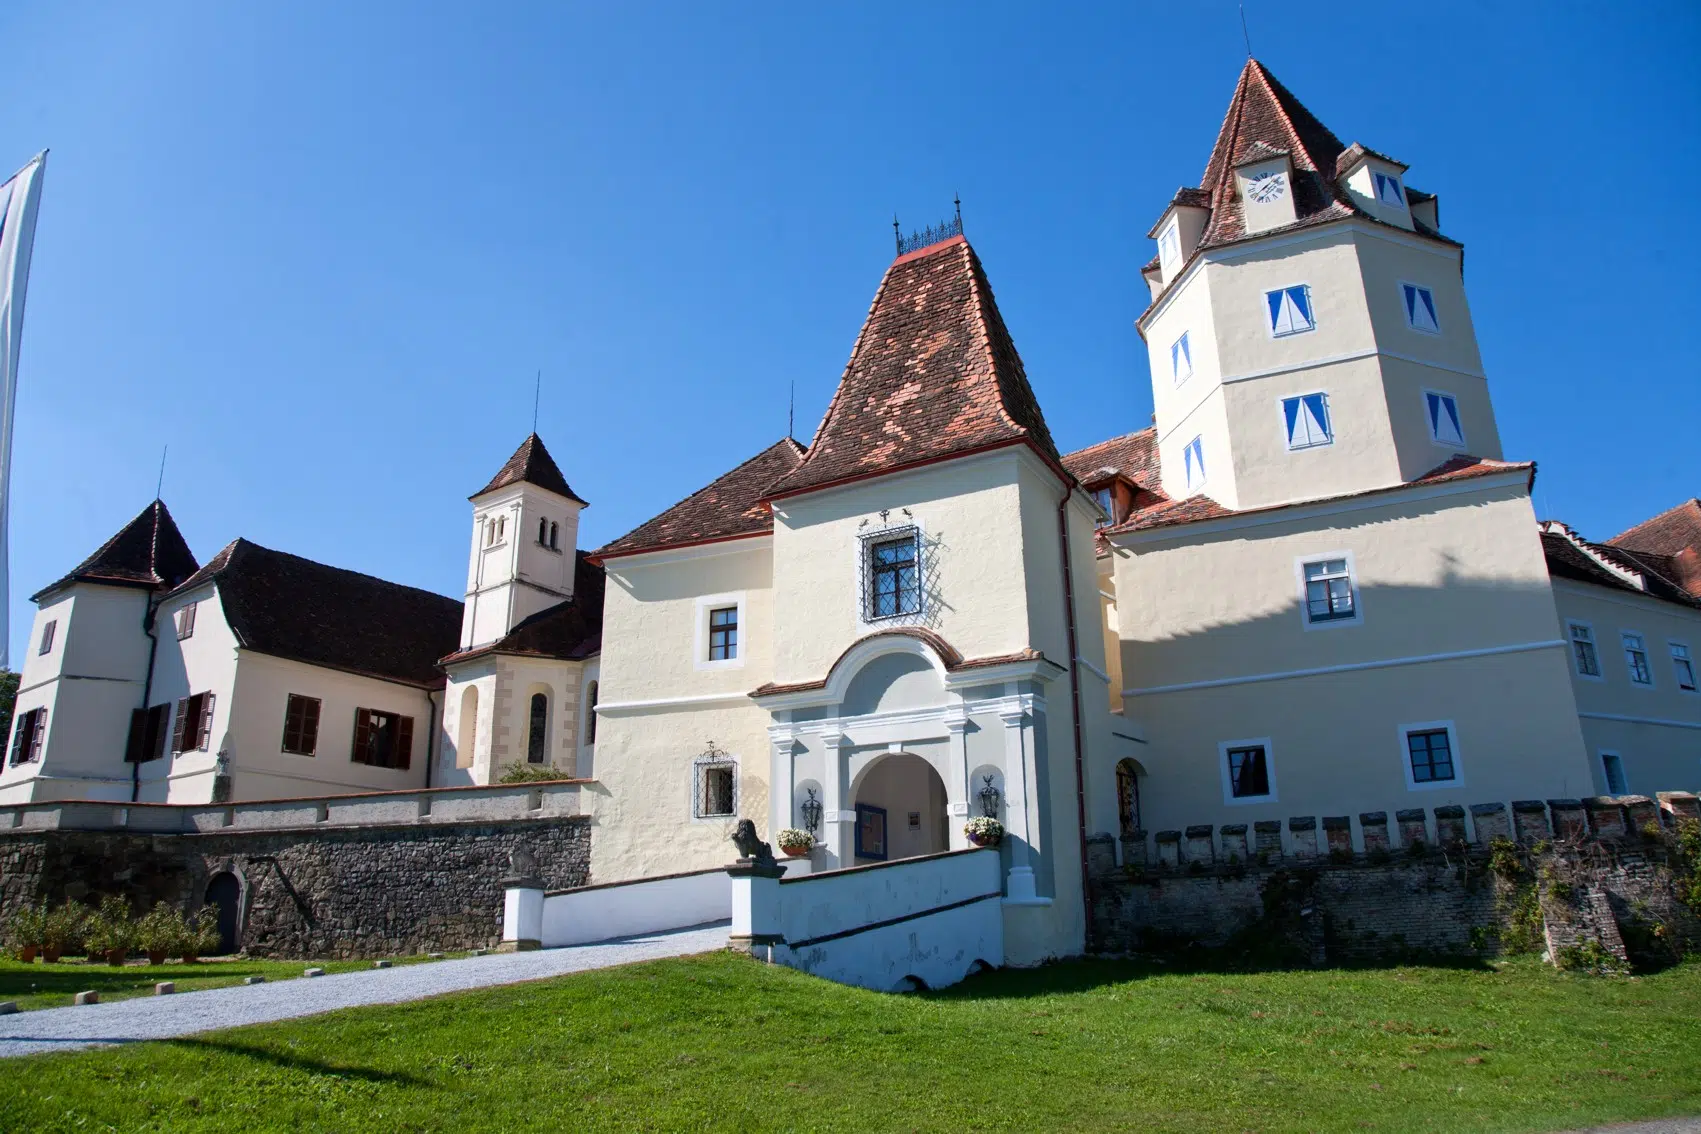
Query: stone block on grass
(165, 988)
(90, 997)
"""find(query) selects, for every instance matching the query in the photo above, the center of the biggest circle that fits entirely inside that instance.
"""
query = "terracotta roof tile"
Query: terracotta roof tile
(933, 375)
(1667, 577)
(730, 507)
(1349, 157)
(1133, 456)
(148, 552)
(530, 464)
(570, 630)
(289, 607)
(1667, 533)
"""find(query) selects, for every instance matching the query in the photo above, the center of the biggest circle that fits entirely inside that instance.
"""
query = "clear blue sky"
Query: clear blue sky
(321, 249)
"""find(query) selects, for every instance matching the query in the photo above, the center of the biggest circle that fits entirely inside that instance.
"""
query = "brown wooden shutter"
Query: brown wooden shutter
(19, 730)
(310, 727)
(156, 731)
(362, 736)
(137, 743)
(40, 734)
(403, 755)
(179, 720)
(206, 725)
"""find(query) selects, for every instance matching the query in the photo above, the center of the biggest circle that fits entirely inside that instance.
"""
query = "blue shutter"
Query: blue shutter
(1274, 300)
(1318, 424)
(1420, 309)
(1444, 424)
(1290, 411)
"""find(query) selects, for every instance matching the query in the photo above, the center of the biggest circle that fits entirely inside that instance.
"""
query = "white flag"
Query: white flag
(19, 199)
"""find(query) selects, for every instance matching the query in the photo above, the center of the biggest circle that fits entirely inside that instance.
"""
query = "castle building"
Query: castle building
(1314, 586)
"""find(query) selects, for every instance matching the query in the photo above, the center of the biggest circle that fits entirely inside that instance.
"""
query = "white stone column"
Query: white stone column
(782, 778)
(1019, 887)
(957, 809)
(838, 817)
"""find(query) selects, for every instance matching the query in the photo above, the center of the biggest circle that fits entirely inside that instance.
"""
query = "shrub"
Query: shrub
(794, 838)
(162, 930)
(530, 774)
(27, 928)
(204, 932)
(110, 927)
(1522, 929)
(1505, 860)
(62, 929)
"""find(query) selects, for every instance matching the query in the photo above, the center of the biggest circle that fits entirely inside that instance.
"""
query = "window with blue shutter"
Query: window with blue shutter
(1181, 359)
(1194, 458)
(1444, 424)
(1307, 418)
(1388, 189)
(1290, 310)
(1420, 309)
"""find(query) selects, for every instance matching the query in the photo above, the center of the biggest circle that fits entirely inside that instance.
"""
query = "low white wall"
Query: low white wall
(884, 927)
(625, 909)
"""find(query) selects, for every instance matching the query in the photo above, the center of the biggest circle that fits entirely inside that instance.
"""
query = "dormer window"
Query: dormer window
(1181, 359)
(1169, 244)
(1103, 498)
(1388, 191)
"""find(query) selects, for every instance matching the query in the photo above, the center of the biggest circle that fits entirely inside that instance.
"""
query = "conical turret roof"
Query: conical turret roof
(147, 552)
(531, 464)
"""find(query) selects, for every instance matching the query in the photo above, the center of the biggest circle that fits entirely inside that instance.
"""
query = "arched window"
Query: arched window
(537, 740)
(466, 736)
(591, 713)
(1128, 796)
(543, 532)
(555, 535)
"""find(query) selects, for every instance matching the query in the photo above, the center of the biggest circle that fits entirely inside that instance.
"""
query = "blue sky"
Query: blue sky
(321, 249)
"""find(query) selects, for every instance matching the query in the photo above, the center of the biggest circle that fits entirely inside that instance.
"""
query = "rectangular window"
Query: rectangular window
(1290, 311)
(382, 740)
(28, 735)
(1388, 189)
(1181, 359)
(1636, 659)
(1431, 752)
(47, 633)
(147, 734)
(1419, 303)
(723, 634)
(1307, 420)
(192, 731)
(186, 621)
(1329, 591)
(1194, 459)
(1249, 772)
(301, 726)
(894, 578)
(1683, 667)
(1583, 650)
(1613, 768)
(1103, 498)
(1444, 426)
(716, 790)
(1169, 245)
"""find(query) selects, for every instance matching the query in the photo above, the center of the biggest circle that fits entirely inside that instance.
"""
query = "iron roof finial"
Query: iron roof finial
(897, 234)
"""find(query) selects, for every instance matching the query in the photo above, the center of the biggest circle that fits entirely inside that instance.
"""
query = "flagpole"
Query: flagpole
(22, 201)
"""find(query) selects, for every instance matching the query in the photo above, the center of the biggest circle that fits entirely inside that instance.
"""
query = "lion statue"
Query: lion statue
(750, 847)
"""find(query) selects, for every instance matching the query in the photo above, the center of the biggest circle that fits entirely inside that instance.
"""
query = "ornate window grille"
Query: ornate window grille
(714, 785)
(892, 573)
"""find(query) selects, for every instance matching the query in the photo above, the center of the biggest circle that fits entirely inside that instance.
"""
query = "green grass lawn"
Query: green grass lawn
(720, 1042)
(41, 985)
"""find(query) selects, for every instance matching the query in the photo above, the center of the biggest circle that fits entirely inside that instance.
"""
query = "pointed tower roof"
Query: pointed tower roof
(933, 375)
(729, 507)
(148, 552)
(532, 464)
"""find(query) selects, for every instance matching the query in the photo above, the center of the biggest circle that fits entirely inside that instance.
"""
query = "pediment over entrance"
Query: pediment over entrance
(948, 665)
(891, 682)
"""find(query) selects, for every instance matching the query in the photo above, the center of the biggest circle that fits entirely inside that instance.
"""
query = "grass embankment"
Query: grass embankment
(720, 1042)
(41, 985)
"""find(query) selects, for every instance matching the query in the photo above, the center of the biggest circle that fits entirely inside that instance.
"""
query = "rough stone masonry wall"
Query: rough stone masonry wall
(1429, 886)
(310, 892)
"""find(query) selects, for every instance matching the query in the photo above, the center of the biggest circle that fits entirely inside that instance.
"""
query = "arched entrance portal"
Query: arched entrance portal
(224, 893)
(900, 810)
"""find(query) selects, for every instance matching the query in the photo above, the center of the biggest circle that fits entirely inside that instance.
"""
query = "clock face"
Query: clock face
(1267, 187)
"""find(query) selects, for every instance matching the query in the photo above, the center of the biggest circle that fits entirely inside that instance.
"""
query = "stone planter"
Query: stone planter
(26, 954)
(796, 852)
(50, 954)
(115, 957)
(980, 841)
(156, 956)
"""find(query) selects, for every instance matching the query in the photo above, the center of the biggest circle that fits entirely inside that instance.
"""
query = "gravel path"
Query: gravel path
(161, 1017)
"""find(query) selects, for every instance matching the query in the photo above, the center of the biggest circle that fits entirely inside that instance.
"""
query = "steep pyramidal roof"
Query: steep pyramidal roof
(531, 464)
(147, 552)
(933, 375)
(730, 507)
(290, 607)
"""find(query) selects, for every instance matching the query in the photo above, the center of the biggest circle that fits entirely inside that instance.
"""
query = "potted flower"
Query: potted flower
(160, 933)
(110, 932)
(795, 841)
(201, 935)
(984, 831)
(61, 930)
(26, 932)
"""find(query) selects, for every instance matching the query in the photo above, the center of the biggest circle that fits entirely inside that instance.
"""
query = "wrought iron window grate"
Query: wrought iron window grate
(891, 573)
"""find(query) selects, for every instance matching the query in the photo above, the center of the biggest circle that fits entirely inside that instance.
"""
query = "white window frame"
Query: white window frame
(1673, 646)
(1197, 443)
(1171, 235)
(1430, 424)
(699, 768)
(700, 640)
(1407, 315)
(1229, 798)
(1404, 731)
(1328, 424)
(1647, 662)
(1270, 329)
(1572, 624)
(1176, 358)
(1601, 758)
(1300, 562)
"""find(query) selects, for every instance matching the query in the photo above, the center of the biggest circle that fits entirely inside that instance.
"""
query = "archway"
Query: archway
(1128, 773)
(900, 810)
(224, 893)
(466, 736)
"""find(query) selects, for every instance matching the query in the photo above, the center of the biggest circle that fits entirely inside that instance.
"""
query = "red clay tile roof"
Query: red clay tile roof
(1666, 577)
(731, 507)
(148, 552)
(1666, 534)
(289, 607)
(933, 375)
(531, 464)
(1133, 456)
(570, 630)
(1349, 157)
(1170, 513)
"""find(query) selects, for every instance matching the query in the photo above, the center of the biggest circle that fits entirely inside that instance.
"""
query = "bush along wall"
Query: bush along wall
(1607, 884)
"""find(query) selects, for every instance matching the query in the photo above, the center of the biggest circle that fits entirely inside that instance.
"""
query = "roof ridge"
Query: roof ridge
(983, 330)
(856, 350)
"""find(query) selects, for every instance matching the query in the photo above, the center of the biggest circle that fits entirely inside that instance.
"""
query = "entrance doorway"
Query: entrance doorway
(224, 893)
(900, 810)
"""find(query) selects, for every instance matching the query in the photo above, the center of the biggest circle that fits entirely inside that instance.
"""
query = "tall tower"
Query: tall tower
(525, 532)
(1308, 331)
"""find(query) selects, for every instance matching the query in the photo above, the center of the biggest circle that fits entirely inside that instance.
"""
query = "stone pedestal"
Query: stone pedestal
(1234, 843)
(1338, 834)
(1529, 821)
(755, 904)
(1374, 824)
(1302, 829)
(522, 914)
(1267, 840)
(1606, 817)
(1169, 848)
(1201, 847)
(1450, 825)
(1642, 811)
(1568, 821)
(1490, 822)
(1413, 827)
(1134, 849)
